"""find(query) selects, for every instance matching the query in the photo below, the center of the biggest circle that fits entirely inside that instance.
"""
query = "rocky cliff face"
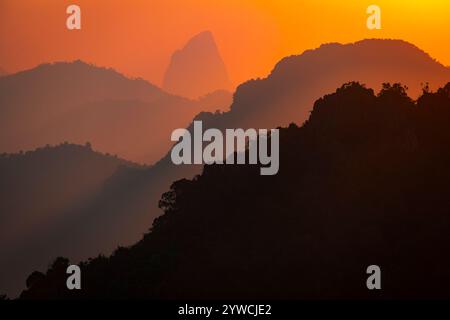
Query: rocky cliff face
(197, 69)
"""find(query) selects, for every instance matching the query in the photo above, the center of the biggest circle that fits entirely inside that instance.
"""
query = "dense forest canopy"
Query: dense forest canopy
(364, 181)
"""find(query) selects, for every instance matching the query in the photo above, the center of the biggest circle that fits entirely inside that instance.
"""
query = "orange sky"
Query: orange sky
(137, 37)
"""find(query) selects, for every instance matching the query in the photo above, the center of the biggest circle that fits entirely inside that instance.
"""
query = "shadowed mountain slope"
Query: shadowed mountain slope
(284, 96)
(78, 102)
(288, 93)
(364, 181)
(34, 188)
(287, 96)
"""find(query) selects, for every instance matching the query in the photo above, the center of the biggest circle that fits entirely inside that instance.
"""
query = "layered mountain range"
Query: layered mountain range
(133, 119)
(364, 181)
(81, 103)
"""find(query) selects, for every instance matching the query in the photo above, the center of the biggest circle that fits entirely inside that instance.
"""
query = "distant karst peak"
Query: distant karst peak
(197, 69)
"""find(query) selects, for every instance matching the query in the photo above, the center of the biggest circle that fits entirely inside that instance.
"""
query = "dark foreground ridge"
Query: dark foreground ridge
(364, 181)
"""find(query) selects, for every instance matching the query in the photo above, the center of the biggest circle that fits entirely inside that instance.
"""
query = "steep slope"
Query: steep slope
(77, 102)
(287, 96)
(197, 69)
(34, 188)
(251, 104)
(365, 181)
(288, 93)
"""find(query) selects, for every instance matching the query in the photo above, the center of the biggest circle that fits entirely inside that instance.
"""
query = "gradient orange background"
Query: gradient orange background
(137, 37)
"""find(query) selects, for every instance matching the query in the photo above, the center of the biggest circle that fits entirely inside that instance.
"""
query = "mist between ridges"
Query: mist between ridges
(214, 147)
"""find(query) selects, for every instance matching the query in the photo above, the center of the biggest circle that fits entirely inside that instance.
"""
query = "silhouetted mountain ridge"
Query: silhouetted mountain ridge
(80, 102)
(298, 80)
(285, 96)
(130, 200)
(364, 181)
(35, 188)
